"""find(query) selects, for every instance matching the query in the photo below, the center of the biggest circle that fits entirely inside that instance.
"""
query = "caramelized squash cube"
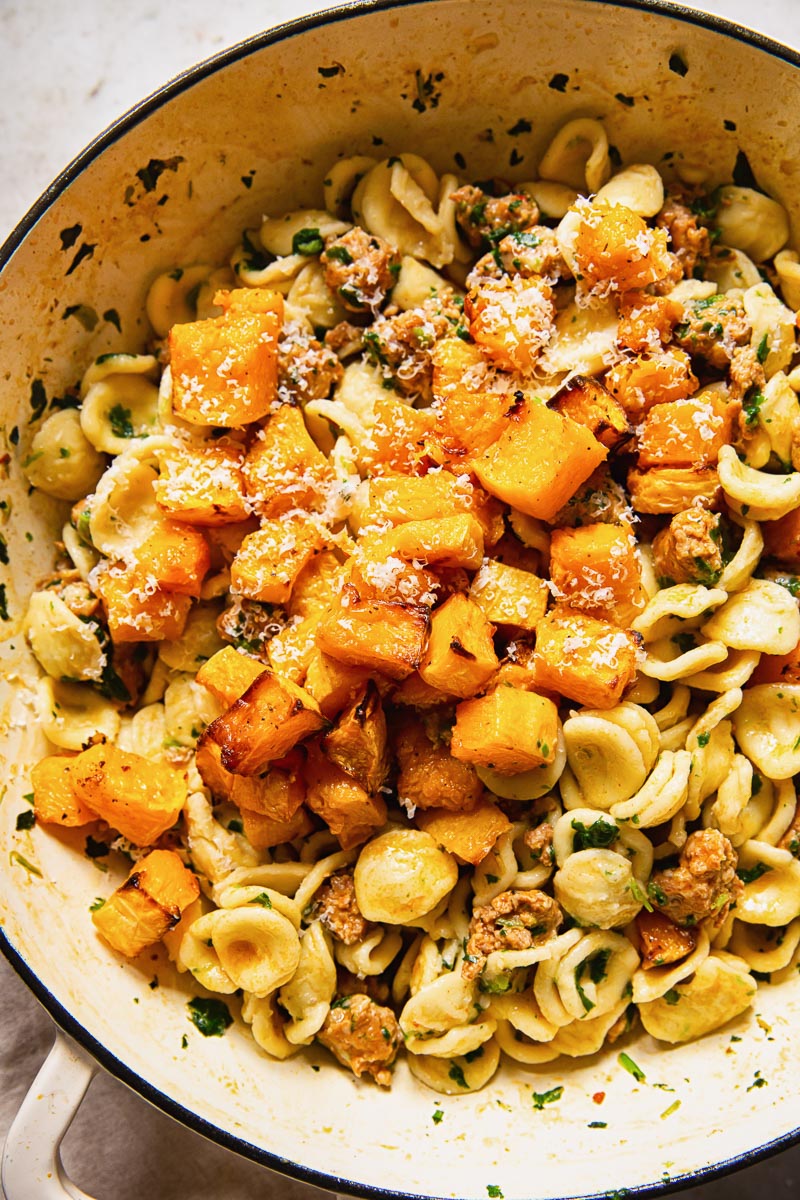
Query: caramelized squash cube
(54, 799)
(460, 658)
(588, 403)
(469, 415)
(399, 498)
(414, 692)
(176, 556)
(384, 637)
(269, 560)
(672, 489)
(264, 832)
(777, 668)
(686, 433)
(595, 568)
(348, 810)
(639, 383)
(509, 596)
(539, 461)
(614, 246)
(291, 650)
(140, 798)
(358, 743)
(469, 834)
(588, 660)
(429, 776)
(508, 730)
(333, 684)
(455, 541)
(284, 469)
(782, 538)
(203, 485)
(225, 369)
(317, 585)
(228, 674)
(149, 903)
(264, 724)
(277, 794)
(397, 438)
(136, 610)
(661, 941)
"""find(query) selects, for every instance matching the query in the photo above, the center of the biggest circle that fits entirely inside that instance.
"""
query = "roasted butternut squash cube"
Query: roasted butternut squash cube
(595, 568)
(358, 741)
(397, 438)
(348, 810)
(511, 318)
(460, 657)
(225, 369)
(661, 941)
(429, 776)
(264, 832)
(264, 724)
(228, 674)
(588, 403)
(226, 540)
(378, 572)
(443, 542)
(203, 485)
(588, 660)
(384, 637)
(615, 247)
(508, 730)
(54, 799)
(673, 489)
(399, 498)
(248, 300)
(138, 612)
(318, 583)
(140, 798)
(148, 904)
(469, 416)
(777, 668)
(176, 556)
(277, 794)
(539, 461)
(469, 834)
(414, 692)
(269, 560)
(333, 684)
(686, 433)
(291, 650)
(509, 596)
(782, 538)
(284, 469)
(639, 383)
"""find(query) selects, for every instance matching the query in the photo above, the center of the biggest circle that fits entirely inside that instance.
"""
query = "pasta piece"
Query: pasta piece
(401, 876)
(578, 156)
(722, 988)
(765, 724)
(752, 222)
(62, 462)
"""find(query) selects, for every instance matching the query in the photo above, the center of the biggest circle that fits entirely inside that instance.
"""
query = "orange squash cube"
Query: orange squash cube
(673, 489)
(782, 538)
(140, 798)
(176, 556)
(414, 692)
(399, 498)
(615, 247)
(639, 383)
(429, 776)
(460, 657)
(508, 730)
(228, 674)
(511, 319)
(148, 904)
(203, 485)
(539, 461)
(588, 403)
(378, 572)
(357, 743)
(588, 660)
(686, 433)
(284, 469)
(333, 684)
(397, 438)
(469, 417)
(264, 724)
(291, 650)
(348, 810)
(269, 560)
(317, 585)
(509, 596)
(384, 637)
(777, 668)
(54, 799)
(469, 834)
(455, 541)
(225, 369)
(136, 610)
(595, 568)
(264, 832)
(277, 794)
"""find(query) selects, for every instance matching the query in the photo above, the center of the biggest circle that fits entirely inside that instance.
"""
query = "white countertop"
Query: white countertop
(68, 70)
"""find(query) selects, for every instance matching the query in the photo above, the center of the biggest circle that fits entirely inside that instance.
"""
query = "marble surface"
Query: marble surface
(68, 70)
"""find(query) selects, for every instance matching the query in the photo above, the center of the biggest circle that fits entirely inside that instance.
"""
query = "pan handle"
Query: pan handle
(32, 1167)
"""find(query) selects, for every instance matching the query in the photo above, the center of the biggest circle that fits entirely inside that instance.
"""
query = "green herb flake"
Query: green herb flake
(493, 1191)
(763, 349)
(184, 1042)
(119, 419)
(758, 1082)
(599, 835)
(210, 1016)
(16, 857)
(263, 899)
(438, 1116)
(25, 820)
(96, 904)
(627, 1063)
(597, 1125)
(307, 241)
(672, 996)
(341, 1002)
(672, 1108)
(456, 1073)
(751, 874)
(703, 739)
(3, 604)
(340, 254)
(542, 1098)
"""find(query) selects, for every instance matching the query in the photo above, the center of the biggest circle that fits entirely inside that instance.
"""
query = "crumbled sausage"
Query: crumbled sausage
(511, 921)
(713, 328)
(76, 594)
(486, 219)
(661, 941)
(600, 500)
(306, 369)
(689, 241)
(745, 372)
(528, 253)
(335, 905)
(374, 986)
(345, 339)
(539, 843)
(401, 345)
(704, 884)
(249, 625)
(363, 1035)
(688, 550)
(360, 268)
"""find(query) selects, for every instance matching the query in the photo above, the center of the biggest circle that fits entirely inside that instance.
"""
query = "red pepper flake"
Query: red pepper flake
(599, 1097)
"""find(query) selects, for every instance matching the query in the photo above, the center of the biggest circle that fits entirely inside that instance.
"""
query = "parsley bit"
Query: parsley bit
(542, 1098)
(438, 1116)
(630, 1066)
